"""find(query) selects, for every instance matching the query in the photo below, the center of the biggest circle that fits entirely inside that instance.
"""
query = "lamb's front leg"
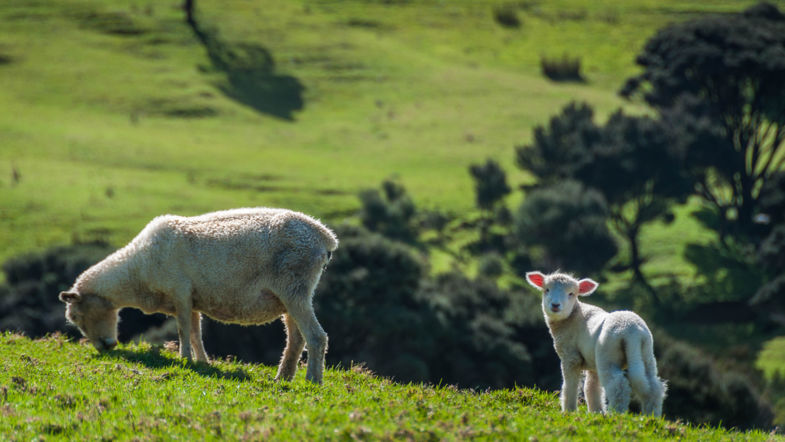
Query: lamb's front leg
(571, 377)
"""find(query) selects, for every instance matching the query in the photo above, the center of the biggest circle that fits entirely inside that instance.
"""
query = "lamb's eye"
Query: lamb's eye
(572, 294)
(547, 290)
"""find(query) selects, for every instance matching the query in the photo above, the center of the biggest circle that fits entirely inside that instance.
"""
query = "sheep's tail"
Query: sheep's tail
(329, 239)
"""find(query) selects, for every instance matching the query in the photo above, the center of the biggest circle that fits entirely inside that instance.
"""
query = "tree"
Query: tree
(771, 253)
(561, 147)
(639, 170)
(490, 185)
(390, 212)
(633, 162)
(728, 71)
(569, 223)
(189, 7)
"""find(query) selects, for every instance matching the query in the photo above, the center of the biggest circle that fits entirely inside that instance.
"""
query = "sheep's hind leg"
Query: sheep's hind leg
(196, 337)
(301, 310)
(293, 351)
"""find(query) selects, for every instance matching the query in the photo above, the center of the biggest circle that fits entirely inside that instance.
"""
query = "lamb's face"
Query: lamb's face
(559, 298)
(94, 316)
(560, 293)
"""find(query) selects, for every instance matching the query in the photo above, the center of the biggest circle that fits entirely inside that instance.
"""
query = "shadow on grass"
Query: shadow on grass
(154, 359)
(251, 77)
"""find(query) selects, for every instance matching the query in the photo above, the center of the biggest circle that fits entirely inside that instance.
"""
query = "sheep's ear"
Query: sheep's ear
(536, 279)
(586, 287)
(70, 297)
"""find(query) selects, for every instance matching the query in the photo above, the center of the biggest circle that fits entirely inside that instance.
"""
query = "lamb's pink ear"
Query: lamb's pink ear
(586, 287)
(70, 297)
(536, 279)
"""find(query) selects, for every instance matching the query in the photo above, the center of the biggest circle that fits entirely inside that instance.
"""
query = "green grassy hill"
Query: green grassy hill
(52, 388)
(114, 112)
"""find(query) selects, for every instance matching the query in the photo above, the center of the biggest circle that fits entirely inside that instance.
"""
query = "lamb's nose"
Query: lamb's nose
(110, 343)
(555, 305)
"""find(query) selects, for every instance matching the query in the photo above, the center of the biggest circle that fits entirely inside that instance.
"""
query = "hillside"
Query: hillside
(114, 112)
(64, 390)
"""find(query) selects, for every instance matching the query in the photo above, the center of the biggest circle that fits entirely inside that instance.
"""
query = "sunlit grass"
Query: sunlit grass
(54, 388)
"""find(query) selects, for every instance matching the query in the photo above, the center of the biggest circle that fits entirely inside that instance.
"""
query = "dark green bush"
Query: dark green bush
(507, 16)
(701, 393)
(390, 212)
(564, 68)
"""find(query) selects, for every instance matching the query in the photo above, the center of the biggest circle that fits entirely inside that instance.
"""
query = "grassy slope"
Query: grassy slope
(52, 387)
(771, 359)
(419, 90)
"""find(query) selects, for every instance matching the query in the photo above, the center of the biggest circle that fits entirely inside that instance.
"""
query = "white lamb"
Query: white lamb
(242, 266)
(587, 338)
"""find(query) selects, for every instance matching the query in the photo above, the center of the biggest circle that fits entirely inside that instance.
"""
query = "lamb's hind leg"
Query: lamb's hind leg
(293, 351)
(196, 337)
(617, 390)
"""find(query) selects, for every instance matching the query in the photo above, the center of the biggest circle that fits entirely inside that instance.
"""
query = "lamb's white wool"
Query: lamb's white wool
(604, 345)
(242, 266)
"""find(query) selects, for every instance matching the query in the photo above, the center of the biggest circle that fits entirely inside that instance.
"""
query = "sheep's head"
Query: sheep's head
(95, 317)
(560, 292)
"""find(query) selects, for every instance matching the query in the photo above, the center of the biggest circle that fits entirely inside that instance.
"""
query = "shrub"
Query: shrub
(564, 68)
(507, 16)
(701, 393)
(490, 265)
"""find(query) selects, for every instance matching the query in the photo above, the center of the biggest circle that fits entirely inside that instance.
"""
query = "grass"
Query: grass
(52, 388)
(771, 359)
(113, 112)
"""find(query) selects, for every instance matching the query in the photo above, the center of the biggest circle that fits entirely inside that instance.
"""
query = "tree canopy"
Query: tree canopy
(728, 71)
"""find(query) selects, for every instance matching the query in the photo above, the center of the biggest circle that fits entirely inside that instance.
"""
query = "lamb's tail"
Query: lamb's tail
(636, 366)
(642, 373)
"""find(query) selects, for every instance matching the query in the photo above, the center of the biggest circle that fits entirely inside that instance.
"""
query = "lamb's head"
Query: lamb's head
(560, 292)
(95, 317)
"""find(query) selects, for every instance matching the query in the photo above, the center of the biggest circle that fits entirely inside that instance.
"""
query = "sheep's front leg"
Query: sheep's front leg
(196, 337)
(571, 376)
(293, 351)
(593, 392)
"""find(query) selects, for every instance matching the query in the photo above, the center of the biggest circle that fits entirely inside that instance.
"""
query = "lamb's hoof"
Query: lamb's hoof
(283, 378)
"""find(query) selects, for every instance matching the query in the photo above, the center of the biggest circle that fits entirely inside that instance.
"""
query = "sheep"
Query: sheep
(243, 266)
(587, 338)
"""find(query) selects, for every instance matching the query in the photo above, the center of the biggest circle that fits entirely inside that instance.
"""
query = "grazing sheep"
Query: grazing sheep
(241, 266)
(587, 338)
